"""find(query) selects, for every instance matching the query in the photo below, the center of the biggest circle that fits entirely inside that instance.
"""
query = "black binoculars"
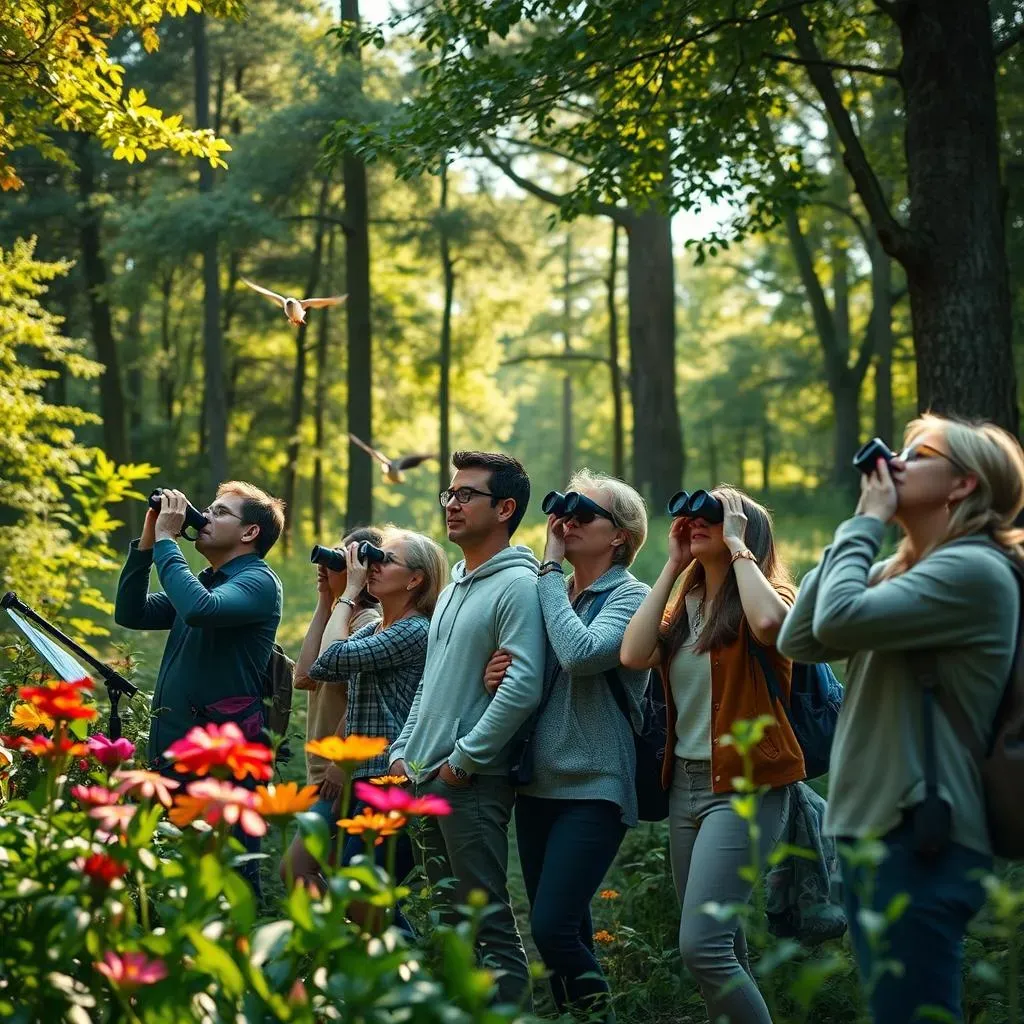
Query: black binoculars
(331, 558)
(574, 504)
(699, 505)
(868, 455)
(194, 519)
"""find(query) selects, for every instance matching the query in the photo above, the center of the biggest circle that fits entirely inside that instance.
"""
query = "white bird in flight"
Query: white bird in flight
(391, 468)
(295, 309)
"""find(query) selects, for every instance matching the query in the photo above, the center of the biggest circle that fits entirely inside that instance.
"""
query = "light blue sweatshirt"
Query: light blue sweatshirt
(452, 716)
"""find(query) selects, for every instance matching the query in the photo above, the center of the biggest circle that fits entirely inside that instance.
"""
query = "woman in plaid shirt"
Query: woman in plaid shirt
(379, 665)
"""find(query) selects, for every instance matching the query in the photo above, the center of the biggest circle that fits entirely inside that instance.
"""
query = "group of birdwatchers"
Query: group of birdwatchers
(512, 686)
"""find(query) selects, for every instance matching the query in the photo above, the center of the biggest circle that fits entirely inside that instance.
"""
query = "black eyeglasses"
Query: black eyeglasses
(463, 495)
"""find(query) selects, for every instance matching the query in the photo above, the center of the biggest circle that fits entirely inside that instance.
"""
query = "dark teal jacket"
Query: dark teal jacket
(223, 623)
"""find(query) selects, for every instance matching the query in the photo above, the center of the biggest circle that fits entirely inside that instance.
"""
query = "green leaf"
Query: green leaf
(213, 960)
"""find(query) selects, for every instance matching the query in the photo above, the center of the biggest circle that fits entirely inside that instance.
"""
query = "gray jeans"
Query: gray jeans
(470, 845)
(709, 843)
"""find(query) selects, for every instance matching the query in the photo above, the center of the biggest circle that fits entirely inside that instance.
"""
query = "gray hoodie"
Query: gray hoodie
(452, 716)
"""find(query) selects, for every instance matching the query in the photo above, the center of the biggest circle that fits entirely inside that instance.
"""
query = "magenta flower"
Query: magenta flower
(129, 971)
(110, 753)
(394, 798)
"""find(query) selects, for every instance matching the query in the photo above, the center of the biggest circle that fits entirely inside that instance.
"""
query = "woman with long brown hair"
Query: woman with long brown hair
(733, 593)
(945, 610)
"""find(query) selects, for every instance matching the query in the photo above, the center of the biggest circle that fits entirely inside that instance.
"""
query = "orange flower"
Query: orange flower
(389, 780)
(348, 750)
(29, 718)
(6, 760)
(379, 825)
(60, 700)
(603, 936)
(43, 746)
(214, 800)
(284, 799)
(610, 894)
(204, 750)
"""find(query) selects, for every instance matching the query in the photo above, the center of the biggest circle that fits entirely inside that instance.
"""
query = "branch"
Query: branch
(837, 65)
(555, 357)
(846, 212)
(1008, 41)
(895, 239)
(326, 219)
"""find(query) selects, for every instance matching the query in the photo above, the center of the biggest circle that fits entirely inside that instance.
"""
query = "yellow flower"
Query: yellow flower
(29, 718)
(283, 799)
(610, 894)
(603, 936)
(348, 750)
(380, 825)
(389, 780)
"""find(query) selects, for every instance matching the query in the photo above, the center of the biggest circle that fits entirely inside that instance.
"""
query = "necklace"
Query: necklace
(697, 619)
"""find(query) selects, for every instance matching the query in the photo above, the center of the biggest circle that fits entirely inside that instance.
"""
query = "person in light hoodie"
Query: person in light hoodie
(457, 740)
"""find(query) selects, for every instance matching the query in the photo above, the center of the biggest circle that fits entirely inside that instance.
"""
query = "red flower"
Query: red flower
(204, 750)
(60, 700)
(393, 798)
(43, 746)
(101, 869)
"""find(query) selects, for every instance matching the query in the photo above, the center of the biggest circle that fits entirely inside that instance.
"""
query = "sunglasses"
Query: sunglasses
(917, 452)
(584, 511)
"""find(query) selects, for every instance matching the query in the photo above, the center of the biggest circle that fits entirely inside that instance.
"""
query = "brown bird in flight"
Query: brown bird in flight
(392, 468)
(295, 309)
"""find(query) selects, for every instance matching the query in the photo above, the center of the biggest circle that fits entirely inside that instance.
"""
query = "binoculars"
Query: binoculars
(574, 504)
(699, 505)
(331, 558)
(194, 519)
(868, 455)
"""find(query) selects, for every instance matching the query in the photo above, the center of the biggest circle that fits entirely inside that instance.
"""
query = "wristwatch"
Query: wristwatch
(550, 566)
(460, 773)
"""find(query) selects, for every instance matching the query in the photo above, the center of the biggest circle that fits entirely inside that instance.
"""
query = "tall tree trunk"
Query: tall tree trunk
(568, 453)
(846, 401)
(359, 508)
(615, 370)
(214, 406)
(298, 403)
(957, 274)
(445, 354)
(712, 455)
(94, 269)
(658, 455)
(766, 451)
(320, 399)
(741, 457)
(881, 325)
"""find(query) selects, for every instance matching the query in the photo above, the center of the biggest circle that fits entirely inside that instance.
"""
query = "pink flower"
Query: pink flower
(394, 798)
(130, 970)
(114, 816)
(148, 785)
(214, 801)
(110, 753)
(220, 749)
(94, 796)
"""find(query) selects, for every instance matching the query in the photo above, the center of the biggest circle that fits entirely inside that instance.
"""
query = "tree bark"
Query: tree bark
(298, 403)
(359, 508)
(568, 453)
(881, 325)
(214, 405)
(658, 457)
(445, 354)
(320, 400)
(615, 370)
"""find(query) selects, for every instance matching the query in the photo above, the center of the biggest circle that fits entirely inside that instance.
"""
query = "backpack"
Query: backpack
(277, 697)
(1001, 766)
(815, 697)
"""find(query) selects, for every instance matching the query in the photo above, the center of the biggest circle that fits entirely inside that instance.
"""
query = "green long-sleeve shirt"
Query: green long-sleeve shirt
(222, 622)
(960, 601)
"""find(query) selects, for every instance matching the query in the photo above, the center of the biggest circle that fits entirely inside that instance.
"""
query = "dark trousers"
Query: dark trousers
(927, 938)
(566, 847)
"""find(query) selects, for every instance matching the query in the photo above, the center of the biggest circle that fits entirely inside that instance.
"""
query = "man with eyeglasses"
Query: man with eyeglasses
(222, 622)
(456, 741)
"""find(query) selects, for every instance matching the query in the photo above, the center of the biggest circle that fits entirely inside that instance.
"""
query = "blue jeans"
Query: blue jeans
(355, 846)
(928, 938)
(566, 847)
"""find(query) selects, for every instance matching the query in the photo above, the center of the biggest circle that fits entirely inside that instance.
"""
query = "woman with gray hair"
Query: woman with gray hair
(572, 815)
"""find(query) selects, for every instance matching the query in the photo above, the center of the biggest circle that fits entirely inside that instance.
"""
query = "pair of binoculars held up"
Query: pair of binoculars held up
(572, 503)
(699, 505)
(332, 558)
(194, 519)
(868, 455)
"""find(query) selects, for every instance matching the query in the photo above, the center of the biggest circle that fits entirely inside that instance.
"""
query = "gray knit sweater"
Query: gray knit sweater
(583, 746)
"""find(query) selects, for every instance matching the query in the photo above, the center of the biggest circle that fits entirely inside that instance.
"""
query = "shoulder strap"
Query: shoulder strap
(769, 673)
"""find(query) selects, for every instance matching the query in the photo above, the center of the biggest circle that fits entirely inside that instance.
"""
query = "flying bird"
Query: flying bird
(295, 309)
(392, 468)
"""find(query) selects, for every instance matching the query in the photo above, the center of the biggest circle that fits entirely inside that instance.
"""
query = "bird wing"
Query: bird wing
(412, 461)
(333, 300)
(372, 452)
(279, 299)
